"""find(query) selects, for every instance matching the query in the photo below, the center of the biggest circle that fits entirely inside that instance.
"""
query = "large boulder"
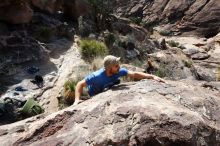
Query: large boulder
(50, 6)
(172, 64)
(75, 8)
(142, 113)
(198, 18)
(125, 27)
(204, 54)
(16, 12)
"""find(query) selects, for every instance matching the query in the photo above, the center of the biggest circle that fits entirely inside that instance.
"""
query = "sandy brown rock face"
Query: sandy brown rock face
(141, 113)
(16, 12)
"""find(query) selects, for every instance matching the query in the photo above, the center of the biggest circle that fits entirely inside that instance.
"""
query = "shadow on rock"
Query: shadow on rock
(120, 87)
(19, 52)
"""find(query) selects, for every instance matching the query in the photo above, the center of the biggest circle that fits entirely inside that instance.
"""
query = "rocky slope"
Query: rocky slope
(199, 17)
(141, 113)
(185, 57)
(184, 112)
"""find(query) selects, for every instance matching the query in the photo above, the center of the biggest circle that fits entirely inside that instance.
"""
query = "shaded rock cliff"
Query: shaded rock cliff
(200, 17)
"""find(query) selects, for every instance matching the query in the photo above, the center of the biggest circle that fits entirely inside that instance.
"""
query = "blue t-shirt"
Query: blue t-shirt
(98, 80)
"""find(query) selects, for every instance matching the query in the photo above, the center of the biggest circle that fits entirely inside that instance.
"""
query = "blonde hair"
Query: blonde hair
(111, 60)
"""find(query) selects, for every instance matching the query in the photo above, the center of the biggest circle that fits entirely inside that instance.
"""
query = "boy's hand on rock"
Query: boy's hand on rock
(77, 102)
(159, 79)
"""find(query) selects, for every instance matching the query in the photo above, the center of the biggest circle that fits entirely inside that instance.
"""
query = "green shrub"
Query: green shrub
(136, 20)
(187, 63)
(92, 48)
(110, 39)
(173, 43)
(165, 33)
(182, 47)
(44, 33)
(148, 25)
(70, 85)
(163, 71)
(160, 73)
(68, 93)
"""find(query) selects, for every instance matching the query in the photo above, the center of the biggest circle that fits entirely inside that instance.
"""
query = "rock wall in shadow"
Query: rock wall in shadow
(189, 17)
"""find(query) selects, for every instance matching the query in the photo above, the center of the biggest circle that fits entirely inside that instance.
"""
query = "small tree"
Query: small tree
(102, 11)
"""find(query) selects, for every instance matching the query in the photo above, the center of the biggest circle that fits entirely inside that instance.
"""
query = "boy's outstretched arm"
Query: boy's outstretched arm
(141, 75)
